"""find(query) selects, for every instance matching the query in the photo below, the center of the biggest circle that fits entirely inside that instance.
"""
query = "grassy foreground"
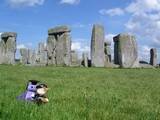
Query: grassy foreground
(82, 93)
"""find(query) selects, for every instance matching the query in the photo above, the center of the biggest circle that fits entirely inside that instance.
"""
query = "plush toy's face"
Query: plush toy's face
(31, 87)
(42, 91)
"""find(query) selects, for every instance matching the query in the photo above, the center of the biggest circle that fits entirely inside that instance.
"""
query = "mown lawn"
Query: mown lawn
(82, 93)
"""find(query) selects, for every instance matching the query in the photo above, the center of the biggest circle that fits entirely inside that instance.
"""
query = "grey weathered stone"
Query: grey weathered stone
(42, 54)
(8, 48)
(74, 58)
(6, 35)
(126, 51)
(24, 55)
(85, 59)
(153, 57)
(51, 50)
(107, 51)
(97, 46)
(58, 30)
(32, 57)
(59, 46)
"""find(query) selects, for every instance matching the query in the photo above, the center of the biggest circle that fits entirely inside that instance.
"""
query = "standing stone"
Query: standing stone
(107, 51)
(24, 56)
(59, 46)
(74, 58)
(153, 57)
(42, 54)
(32, 57)
(85, 59)
(8, 48)
(126, 51)
(51, 50)
(97, 46)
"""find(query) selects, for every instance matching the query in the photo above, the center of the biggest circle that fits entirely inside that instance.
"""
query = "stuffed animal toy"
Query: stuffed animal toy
(35, 92)
(31, 90)
(40, 96)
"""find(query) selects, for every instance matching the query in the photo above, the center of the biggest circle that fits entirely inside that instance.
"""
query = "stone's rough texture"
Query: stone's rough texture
(85, 59)
(63, 49)
(58, 30)
(8, 34)
(8, 48)
(97, 46)
(51, 50)
(74, 58)
(32, 57)
(59, 46)
(107, 51)
(126, 51)
(24, 56)
(42, 54)
(153, 57)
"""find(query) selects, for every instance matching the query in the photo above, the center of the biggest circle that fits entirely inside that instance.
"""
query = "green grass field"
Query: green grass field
(82, 93)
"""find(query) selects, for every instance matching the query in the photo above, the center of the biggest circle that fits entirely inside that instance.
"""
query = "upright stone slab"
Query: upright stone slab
(42, 54)
(153, 57)
(97, 46)
(8, 48)
(107, 51)
(74, 58)
(59, 46)
(126, 51)
(32, 57)
(85, 59)
(24, 55)
(51, 50)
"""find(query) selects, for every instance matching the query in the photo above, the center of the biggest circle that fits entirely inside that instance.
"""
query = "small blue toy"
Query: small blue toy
(35, 92)
(29, 94)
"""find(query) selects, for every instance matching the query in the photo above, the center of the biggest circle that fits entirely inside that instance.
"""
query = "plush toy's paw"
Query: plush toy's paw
(44, 100)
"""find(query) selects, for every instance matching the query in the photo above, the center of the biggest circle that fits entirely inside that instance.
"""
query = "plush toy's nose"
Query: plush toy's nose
(47, 89)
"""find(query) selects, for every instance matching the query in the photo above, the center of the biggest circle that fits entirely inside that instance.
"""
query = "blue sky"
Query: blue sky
(32, 18)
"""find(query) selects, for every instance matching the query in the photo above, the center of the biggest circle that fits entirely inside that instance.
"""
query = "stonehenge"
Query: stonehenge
(85, 59)
(153, 57)
(97, 46)
(107, 51)
(57, 50)
(126, 51)
(74, 59)
(8, 48)
(24, 56)
(59, 46)
(42, 54)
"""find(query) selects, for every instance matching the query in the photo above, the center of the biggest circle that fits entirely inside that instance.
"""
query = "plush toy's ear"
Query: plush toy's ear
(33, 82)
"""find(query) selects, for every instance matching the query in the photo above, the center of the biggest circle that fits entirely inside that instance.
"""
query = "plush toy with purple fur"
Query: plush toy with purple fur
(29, 94)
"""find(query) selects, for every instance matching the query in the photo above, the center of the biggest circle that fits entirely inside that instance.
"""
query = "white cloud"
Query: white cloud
(76, 46)
(112, 12)
(109, 37)
(144, 53)
(80, 47)
(71, 2)
(18, 3)
(144, 22)
(20, 46)
(140, 6)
